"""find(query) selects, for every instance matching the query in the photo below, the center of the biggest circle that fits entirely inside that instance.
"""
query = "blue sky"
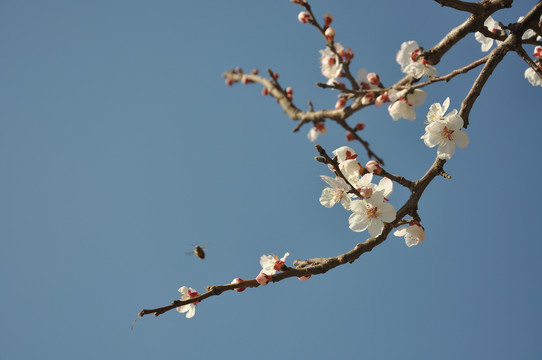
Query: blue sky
(120, 147)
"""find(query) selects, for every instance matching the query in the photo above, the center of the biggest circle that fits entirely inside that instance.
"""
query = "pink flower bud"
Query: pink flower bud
(237, 281)
(381, 99)
(373, 78)
(328, 19)
(360, 126)
(263, 278)
(321, 127)
(255, 71)
(239, 70)
(244, 79)
(340, 103)
(229, 81)
(300, 2)
(265, 92)
(305, 277)
(367, 98)
(373, 166)
(348, 54)
(330, 34)
(289, 90)
(537, 51)
(350, 136)
(366, 192)
(364, 85)
(303, 17)
(275, 76)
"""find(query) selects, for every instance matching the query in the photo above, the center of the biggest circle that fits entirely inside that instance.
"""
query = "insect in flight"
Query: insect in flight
(198, 251)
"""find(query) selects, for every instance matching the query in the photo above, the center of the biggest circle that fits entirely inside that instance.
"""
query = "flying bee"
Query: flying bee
(198, 251)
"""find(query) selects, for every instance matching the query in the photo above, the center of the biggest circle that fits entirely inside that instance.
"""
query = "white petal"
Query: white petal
(362, 76)
(385, 186)
(358, 206)
(454, 122)
(312, 135)
(327, 198)
(358, 222)
(445, 150)
(400, 232)
(387, 212)
(375, 227)
(346, 201)
(417, 98)
(183, 308)
(191, 311)
(461, 139)
(183, 290)
(445, 105)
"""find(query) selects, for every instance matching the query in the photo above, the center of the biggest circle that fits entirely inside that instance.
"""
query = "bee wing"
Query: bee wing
(205, 247)
(190, 253)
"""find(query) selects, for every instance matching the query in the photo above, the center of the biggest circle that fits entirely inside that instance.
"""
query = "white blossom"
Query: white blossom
(411, 63)
(414, 234)
(403, 105)
(444, 131)
(315, 131)
(338, 191)
(189, 309)
(486, 42)
(533, 77)
(271, 263)
(344, 153)
(373, 212)
(330, 65)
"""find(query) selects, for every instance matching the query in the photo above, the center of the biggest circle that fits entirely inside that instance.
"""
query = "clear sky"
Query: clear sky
(121, 146)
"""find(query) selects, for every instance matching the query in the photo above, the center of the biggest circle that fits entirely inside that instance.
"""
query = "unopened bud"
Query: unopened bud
(367, 98)
(381, 99)
(237, 281)
(340, 103)
(255, 71)
(229, 81)
(263, 278)
(244, 79)
(373, 78)
(305, 277)
(265, 92)
(350, 136)
(348, 54)
(373, 166)
(537, 51)
(321, 127)
(303, 17)
(300, 2)
(360, 126)
(239, 70)
(275, 76)
(340, 84)
(328, 19)
(330, 34)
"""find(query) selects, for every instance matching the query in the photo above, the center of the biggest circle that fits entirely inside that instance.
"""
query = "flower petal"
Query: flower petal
(375, 227)
(461, 139)
(358, 222)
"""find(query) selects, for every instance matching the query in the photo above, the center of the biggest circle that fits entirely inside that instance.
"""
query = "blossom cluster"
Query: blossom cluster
(495, 28)
(371, 210)
(444, 130)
